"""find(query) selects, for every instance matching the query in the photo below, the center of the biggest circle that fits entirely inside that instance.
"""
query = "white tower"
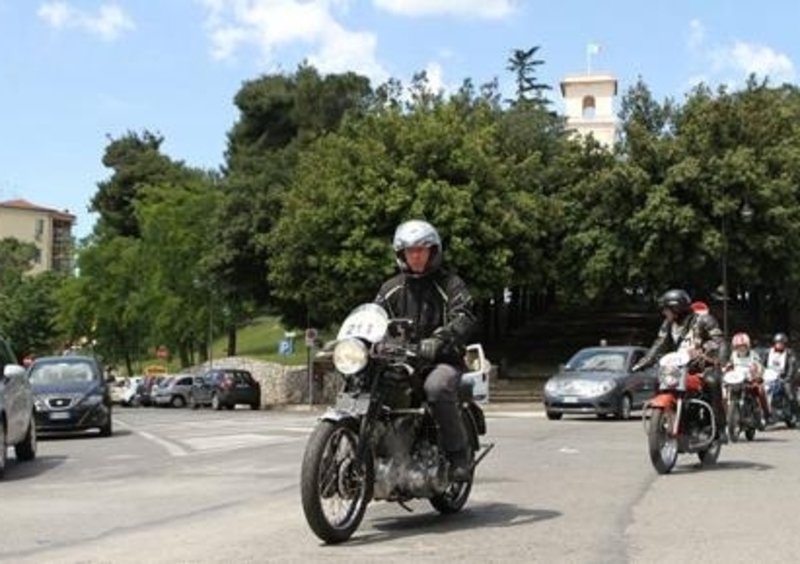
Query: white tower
(589, 105)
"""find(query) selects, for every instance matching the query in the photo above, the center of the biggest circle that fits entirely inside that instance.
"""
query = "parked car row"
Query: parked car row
(218, 388)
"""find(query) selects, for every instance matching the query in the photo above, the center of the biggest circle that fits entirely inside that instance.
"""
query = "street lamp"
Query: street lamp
(746, 213)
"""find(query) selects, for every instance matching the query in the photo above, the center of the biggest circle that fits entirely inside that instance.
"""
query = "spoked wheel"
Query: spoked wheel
(734, 419)
(453, 499)
(3, 448)
(335, 489)
(711, 454)
(662, 445)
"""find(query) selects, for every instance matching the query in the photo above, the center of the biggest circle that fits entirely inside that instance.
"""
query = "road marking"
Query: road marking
(173, 449)
(232, 442)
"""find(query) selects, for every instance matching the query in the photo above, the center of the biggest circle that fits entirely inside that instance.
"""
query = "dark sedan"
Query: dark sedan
(599, 380)
(70, 394)
(225, 387)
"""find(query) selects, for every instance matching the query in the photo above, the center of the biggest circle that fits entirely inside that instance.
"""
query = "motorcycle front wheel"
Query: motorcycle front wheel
(662, 445)
(334, 487)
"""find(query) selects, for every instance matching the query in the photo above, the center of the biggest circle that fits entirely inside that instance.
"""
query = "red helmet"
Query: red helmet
(740, 340)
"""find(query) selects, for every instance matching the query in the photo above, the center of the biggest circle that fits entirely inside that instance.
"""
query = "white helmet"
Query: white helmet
(417, 233)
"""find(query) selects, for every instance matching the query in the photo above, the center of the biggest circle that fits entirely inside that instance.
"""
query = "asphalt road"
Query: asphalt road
(180, 486)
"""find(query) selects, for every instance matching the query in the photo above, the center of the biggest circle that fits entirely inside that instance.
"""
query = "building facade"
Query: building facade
(50, 230)
(589, 105)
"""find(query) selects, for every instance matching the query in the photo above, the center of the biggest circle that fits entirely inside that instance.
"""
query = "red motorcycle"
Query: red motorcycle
(680, 418)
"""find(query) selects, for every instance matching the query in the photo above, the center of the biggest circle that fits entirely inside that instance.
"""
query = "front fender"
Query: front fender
(335, 415)
(663, 401)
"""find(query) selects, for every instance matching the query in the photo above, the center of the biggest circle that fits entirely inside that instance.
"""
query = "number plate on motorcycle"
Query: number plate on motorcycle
(352, 405)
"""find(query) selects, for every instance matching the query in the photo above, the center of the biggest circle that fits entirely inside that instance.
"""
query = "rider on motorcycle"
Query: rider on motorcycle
(700, 335)
(744, 355)
(782, 359)
(443, 313)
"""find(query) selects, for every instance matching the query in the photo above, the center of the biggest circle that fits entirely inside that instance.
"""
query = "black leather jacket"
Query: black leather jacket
(699, 330)
(439, 304)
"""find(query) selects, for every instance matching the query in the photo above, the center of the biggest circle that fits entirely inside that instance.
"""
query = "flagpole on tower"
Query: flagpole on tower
(591, 49)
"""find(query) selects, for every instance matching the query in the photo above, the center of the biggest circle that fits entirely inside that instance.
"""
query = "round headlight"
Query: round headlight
(350, 356)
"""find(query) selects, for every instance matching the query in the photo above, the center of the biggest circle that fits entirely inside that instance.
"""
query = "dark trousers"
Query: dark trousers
(441, 392)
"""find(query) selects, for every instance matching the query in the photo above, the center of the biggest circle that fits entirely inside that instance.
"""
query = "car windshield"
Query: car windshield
(597, 360)
(61, 373)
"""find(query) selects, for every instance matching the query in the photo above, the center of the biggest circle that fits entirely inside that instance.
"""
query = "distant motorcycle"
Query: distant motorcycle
(780, 401)
(680, 419)
(741, 403)
(380, 441)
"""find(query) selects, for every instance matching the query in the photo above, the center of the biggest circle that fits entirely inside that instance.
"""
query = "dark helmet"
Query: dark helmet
(781, 338)
(417, 233)
(676, 300)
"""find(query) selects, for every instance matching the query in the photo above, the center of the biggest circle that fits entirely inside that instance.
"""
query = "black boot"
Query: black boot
(460, 465)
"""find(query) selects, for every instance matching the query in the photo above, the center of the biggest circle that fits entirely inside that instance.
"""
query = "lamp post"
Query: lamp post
(746, 213)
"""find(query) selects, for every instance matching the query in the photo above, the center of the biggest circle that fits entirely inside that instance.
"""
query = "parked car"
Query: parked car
(70, 394)
(477, 374)
(174, 391)
(132, 393)
(148, 388)
(225, 387)
(599, 380)
(17, 422)
(117, 386)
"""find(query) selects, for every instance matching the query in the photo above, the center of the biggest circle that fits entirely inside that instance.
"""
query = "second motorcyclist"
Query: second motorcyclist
(743, 355)
(701, 336)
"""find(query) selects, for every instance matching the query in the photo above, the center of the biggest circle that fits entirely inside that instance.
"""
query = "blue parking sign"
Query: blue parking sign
(286, 347)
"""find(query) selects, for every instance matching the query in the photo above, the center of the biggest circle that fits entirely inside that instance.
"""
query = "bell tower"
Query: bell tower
(589, 105)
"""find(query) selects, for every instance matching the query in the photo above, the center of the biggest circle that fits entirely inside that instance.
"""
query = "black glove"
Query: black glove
(429, 348)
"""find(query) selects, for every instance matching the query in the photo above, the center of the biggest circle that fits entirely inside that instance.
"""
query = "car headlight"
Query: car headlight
(551, 386)
(350, 356)
(39, 404)
(94, 399)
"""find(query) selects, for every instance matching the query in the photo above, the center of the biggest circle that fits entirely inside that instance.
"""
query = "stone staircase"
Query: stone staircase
(516, 390)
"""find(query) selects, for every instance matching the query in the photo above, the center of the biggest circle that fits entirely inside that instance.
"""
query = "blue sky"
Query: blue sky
(74, 72)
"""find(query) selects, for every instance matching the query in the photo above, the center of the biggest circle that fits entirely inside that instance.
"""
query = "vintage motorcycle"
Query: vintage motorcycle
(380, 441)
(741, 402)
(780, 402)
(680, 418)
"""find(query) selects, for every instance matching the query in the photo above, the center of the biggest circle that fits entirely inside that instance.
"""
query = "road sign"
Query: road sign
(311, 336)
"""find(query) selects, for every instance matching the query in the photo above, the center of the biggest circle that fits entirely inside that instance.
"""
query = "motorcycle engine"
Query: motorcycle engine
(407, 465)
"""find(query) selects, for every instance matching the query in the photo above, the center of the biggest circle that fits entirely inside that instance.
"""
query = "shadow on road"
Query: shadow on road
(476, 516)
(720, 466)
(24, 470)
(78, 435)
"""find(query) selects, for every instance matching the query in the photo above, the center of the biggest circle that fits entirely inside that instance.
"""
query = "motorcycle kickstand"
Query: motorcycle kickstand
(486, 448)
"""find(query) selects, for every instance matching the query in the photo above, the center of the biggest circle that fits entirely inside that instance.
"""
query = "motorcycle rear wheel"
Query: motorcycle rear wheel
(335, 490)
(455, 497)
(734, 420)
(662, 445)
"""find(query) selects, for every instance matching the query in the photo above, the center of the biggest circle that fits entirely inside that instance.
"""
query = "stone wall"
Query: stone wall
(284, 385)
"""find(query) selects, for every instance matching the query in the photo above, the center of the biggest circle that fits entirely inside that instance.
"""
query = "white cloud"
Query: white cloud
(109, 22)
(274, 25)
(747, 58)
(470, 8)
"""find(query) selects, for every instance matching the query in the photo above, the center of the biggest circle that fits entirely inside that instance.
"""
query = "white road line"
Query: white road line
(173, 449)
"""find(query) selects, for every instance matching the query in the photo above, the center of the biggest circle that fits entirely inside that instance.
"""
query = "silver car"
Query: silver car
(17, 422)
(174, 391)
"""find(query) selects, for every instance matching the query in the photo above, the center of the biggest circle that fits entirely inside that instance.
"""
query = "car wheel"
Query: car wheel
(3, 448)
(177, 401)
(255, 406)
(26, 450)
(554, 416)
(625, 407)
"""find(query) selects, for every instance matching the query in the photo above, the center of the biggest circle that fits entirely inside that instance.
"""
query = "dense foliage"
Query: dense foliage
(320, 169)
